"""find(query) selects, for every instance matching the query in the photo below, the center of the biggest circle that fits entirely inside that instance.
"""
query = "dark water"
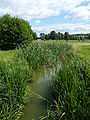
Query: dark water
(41, 91)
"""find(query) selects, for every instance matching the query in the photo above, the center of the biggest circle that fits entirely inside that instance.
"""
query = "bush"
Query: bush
(14, 31)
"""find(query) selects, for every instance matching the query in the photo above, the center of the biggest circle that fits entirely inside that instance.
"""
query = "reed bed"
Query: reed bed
(71, 89)
(15, 74)
(13, 78)
(40, 53)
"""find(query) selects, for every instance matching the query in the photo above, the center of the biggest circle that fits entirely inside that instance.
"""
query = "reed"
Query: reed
(45, 53)
(14, 75)
(71, 90)
(13, 78)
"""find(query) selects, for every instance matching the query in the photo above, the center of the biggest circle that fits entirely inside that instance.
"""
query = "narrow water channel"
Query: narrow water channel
(41, 86)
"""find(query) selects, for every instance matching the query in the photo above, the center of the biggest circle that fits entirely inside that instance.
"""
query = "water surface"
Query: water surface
(41, 91)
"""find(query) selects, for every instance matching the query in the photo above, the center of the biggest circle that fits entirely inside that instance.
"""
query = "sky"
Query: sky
(72, 16)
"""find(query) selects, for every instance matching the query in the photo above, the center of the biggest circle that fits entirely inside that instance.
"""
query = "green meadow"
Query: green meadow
(7, 55)
(82, 48)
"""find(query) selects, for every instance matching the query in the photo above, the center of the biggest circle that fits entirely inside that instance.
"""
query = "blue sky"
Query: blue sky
(46, 15)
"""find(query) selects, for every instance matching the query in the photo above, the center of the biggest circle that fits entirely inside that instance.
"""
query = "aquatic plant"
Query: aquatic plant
(13, 78)
(45, 53)
(71, 90)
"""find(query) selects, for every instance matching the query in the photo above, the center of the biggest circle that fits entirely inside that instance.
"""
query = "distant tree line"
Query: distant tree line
(66, 36)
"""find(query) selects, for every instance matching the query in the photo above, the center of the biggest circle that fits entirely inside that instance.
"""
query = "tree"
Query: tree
(13, 32)
(89, 36)
(60, 36)
(66, 36)
(34, 36)
(53, 35)
(42, 36)
(47, 37)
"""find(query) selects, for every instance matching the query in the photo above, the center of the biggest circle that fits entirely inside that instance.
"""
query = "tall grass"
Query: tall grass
(13, 78)
(72, 92)
(70, 86)
(45, 53)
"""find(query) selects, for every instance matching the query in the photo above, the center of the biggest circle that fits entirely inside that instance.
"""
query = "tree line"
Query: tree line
(15, 31)
(63, 36)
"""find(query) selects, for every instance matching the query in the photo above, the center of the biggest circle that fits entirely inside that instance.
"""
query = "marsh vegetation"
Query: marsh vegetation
(70, 86)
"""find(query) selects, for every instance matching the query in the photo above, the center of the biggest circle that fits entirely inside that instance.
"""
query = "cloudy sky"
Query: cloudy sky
(46, 15)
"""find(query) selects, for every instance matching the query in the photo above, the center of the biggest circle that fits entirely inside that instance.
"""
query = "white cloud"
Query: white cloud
(72, 28)
(81, 12)
(37, 21)
(29, 9)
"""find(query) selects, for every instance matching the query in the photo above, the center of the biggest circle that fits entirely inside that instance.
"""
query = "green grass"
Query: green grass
(7, 55)
(41, 53)
(82, 50)
(71, 91)
(13, 75)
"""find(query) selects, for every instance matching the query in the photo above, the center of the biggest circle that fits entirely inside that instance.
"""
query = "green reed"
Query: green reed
(72, 92)
(45, 53)
(13, 78)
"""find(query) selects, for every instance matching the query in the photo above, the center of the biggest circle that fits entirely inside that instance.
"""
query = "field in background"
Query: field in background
(7, 55)
(82, 49)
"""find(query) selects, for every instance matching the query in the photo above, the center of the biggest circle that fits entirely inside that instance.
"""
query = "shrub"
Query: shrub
(13, 32)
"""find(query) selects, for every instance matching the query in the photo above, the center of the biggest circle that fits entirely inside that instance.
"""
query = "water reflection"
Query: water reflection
(41, 85)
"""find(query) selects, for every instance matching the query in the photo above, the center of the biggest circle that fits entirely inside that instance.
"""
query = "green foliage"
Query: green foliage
(45, 53)
(71, 85)
(7, 55)
(34, 36)
(71, 90)
(47, 36)
(13, 32)
(42, 36)
(52, 35)
(60, 36)
(13, 78)
(66, 36)
(89, 36)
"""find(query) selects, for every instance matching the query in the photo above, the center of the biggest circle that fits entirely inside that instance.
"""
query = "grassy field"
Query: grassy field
(82, 49)
(7, 55)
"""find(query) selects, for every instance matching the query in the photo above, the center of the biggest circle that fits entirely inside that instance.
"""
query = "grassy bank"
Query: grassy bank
(7, 55)
(71, 91)
(82, 49)
(13, 76)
